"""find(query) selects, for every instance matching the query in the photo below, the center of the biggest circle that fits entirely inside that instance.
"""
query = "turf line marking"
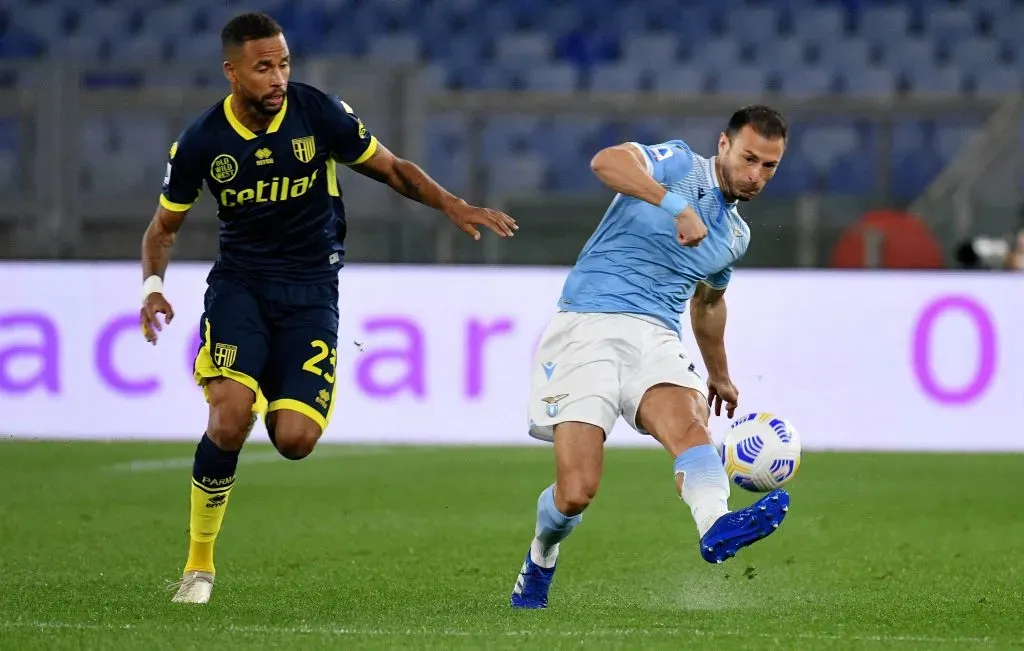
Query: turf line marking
(178, 463)
(339, 631)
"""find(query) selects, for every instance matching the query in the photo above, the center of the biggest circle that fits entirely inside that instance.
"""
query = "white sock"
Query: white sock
(706, 507)
(705, 485)
(543, 556)
(553, 527)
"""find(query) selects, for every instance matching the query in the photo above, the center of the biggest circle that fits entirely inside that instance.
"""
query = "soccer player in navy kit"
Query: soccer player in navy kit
(268, 153)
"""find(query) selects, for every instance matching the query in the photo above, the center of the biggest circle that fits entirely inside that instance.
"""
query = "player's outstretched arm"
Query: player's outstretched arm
(409, 180)
(157, 243)
(625, 169)
(707, 317)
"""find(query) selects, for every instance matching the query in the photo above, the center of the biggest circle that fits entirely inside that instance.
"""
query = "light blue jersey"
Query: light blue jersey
(633, 263)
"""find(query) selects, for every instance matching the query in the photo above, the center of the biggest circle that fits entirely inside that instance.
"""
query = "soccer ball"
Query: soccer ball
(761, 452)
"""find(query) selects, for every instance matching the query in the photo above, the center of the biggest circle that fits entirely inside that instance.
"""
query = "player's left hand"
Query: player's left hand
(468, 217)
(722, 390)
(154, 304)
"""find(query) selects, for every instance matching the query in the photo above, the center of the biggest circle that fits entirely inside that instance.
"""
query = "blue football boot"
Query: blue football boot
(532, 585)
(738, 529)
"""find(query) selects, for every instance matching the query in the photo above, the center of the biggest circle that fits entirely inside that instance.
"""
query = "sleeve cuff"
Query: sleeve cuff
(649, 164)
(175, 207)
(371, 149)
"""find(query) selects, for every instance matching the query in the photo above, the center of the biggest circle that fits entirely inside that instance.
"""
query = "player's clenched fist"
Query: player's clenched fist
(154, 304)
(690, 228)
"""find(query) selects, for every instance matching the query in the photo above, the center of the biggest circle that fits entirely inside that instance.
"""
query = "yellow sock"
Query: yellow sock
(213, 476)
(200, 557)
(207, 517)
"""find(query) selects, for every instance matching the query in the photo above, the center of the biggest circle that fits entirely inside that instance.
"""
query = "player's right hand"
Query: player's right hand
(467, 217)
(690, 228)
(721, 391)
(154, 304)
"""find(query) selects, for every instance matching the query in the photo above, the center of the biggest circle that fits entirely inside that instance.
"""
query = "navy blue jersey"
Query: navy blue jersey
(278, 200)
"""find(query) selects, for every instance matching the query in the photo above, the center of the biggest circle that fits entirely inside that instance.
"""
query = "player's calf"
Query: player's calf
(677, 417)
(213, 477)
(231, 417)
(579, 460)
(579, 457)
(293, 434)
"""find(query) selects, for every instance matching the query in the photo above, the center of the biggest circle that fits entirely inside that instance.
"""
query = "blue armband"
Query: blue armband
(673, 203)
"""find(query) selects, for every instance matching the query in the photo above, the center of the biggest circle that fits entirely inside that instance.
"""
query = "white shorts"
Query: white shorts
(593, 367)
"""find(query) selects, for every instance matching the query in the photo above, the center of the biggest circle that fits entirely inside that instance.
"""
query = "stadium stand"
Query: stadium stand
(796, 48)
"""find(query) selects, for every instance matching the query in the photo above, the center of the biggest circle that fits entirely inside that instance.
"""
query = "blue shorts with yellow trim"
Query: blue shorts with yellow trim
(278, 339)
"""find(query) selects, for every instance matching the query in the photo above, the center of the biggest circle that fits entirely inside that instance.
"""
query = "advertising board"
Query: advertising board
(442, 355)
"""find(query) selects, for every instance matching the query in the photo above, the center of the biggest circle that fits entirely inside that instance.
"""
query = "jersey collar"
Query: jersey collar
(713, 178)
(243, 130)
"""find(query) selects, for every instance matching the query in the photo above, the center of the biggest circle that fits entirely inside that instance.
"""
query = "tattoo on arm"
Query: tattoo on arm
(408, 179)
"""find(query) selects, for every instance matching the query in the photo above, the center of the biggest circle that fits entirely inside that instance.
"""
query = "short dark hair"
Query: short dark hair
(766, 122)
(248, 27)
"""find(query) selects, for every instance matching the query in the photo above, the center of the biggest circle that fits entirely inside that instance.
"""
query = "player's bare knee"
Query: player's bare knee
(574, 495)
(696, 434)
(679, 435)
(676, 416)
(229, 426)
(296, 444)
(293, 437)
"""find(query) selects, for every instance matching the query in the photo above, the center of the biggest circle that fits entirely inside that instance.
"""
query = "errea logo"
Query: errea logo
(264, 156)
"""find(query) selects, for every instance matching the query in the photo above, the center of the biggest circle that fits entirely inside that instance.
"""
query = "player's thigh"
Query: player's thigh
(299, 380)
(664, 396)
(676, 416)
(575, 377)
(232, 353)
(579, 464)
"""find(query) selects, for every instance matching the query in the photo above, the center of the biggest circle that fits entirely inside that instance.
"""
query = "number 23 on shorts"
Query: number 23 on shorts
(323, 364)
(312, 365)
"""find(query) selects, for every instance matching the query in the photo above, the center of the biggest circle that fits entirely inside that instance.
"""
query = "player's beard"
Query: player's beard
(745, 197)
(727, 186)
(260, 105)
(738, 193)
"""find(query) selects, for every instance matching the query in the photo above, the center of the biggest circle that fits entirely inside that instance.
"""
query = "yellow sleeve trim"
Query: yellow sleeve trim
(371, 149)
(175, 207)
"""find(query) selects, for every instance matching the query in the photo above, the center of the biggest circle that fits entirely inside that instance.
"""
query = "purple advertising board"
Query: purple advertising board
(442, 355)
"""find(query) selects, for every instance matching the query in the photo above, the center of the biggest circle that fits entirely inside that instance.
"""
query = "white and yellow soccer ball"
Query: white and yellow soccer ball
(761, 452)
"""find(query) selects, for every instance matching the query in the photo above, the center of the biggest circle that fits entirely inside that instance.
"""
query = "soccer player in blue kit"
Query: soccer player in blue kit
(670, 237)
(269, 154)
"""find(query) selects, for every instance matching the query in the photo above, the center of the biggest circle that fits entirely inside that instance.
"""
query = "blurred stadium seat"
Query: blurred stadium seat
(739, 48)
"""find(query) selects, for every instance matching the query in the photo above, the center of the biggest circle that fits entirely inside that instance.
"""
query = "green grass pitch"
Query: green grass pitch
(365, 547)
